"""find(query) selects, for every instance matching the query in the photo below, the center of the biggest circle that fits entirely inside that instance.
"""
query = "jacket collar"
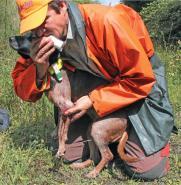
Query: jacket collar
(69, 32)
(76, 17)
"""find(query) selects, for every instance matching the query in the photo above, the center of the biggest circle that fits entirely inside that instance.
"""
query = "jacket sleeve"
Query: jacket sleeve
(124, 51)
(24, 80)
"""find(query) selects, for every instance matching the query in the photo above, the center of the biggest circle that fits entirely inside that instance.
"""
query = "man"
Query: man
(112, 44)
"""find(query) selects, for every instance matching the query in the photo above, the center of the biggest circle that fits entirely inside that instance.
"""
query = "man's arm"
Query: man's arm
(24, 80)
(30, 75)
(117, 43)
(135, 80)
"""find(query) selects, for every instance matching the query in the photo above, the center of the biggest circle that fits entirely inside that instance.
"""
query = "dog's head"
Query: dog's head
(22, 44)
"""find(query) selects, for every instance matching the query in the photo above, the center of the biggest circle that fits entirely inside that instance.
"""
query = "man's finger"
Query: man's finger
(44, 41)
(45, 49)
(47, 54)
(77, 116)
(72, 110)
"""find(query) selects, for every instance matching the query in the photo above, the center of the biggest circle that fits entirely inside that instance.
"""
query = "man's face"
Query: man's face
(55, 24)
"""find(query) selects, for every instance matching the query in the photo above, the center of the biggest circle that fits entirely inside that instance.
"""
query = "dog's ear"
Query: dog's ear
(21, 44)
(54, 56)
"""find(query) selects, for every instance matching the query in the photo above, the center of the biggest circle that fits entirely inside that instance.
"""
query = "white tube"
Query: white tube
(57, 42)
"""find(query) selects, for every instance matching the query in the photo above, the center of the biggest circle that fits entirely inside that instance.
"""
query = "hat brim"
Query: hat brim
(34, 20)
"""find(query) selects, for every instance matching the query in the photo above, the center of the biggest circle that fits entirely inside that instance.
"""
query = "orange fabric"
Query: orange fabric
(165, 152)
(24, 75)
(116, 39)
(117, 36)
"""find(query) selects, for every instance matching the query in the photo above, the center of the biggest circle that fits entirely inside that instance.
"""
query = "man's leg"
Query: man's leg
(77, 144)
(148, 167)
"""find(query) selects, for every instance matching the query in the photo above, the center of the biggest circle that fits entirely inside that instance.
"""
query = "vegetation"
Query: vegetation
(27, 149)
(163, 20)
(137, 4)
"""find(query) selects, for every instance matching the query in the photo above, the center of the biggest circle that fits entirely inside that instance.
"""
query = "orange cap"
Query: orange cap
(32, 13)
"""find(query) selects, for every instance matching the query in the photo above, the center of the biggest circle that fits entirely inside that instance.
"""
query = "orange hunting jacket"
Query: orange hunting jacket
(116, 40)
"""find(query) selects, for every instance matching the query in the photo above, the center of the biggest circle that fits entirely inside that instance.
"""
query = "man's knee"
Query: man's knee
(148, 167)
(156, 172)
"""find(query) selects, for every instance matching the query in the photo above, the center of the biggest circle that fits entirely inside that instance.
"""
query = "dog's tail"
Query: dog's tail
(121, 151)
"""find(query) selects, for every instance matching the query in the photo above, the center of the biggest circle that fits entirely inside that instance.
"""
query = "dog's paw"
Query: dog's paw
(81, 165)
(92, 174)
(59, 155)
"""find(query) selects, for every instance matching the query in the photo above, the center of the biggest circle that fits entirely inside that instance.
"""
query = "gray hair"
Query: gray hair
(55, 4)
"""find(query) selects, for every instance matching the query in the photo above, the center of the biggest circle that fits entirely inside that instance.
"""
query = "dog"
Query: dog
(102, 131)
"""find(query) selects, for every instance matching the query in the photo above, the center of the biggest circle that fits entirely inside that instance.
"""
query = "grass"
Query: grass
(26, 148)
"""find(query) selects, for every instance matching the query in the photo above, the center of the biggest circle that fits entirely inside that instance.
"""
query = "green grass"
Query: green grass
(27, 149)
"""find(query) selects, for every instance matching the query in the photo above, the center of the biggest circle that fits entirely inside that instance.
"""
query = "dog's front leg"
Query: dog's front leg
(61, 145)
(62, 135)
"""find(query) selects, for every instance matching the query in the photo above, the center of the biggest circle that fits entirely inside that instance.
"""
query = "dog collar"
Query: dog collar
(55, 68)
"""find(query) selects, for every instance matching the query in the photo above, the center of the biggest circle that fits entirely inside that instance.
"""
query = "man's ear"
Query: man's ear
(63, 6)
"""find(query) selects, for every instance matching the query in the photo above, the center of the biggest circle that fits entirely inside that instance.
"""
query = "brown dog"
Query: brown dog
(102, 132)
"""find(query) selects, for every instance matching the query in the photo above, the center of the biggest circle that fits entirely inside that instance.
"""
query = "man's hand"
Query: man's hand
(40, 51)
(79, 109)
